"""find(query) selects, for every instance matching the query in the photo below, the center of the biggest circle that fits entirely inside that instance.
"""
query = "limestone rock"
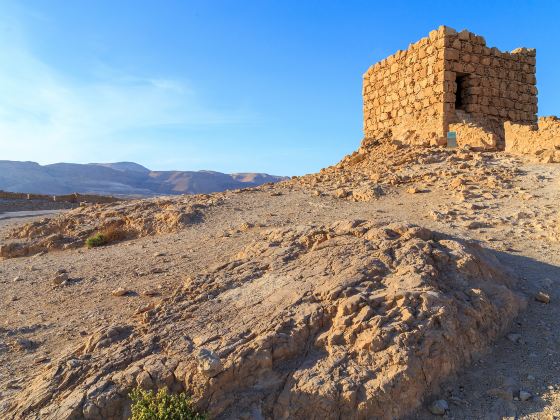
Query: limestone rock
(307, 313)
(439, 407)
(60, 278)
(524, 395)
(542, 297)
(120, 292)
(209, 364)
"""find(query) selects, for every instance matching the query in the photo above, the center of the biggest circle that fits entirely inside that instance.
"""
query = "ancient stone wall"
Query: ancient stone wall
(404, 92)
(33, 205)
(490, 86)
(450, 78)
(542, 141)
(69, 198)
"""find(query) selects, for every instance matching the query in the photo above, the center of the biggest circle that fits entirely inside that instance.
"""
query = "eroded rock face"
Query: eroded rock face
(131, 219)
(348, 320)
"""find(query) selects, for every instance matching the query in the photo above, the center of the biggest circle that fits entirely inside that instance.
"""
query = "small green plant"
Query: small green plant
(107, 235)
(96, 240)
(147, 405)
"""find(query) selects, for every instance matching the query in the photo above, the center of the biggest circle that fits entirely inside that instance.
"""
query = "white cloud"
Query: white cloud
(47, 116)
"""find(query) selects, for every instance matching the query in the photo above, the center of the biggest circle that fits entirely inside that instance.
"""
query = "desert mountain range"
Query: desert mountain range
(120, 178)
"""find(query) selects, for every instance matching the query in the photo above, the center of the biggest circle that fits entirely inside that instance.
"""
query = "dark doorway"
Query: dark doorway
(461, 94)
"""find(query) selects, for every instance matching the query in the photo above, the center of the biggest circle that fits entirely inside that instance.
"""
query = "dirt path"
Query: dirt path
(26, 214)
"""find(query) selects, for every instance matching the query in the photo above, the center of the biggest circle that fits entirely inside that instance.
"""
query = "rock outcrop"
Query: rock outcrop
(383, 164)
(348, 320)
(126, 219)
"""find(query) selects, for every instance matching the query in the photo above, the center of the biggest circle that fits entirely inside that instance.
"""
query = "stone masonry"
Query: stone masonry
(450, 81)
(541, 141)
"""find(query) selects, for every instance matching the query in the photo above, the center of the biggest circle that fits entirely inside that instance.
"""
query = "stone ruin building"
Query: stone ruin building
(453, 82)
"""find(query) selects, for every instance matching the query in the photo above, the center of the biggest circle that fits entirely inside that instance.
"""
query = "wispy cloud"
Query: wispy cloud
(48, 115)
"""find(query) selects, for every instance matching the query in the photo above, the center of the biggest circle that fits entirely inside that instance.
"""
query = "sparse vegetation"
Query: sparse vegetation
(108, 235)
(113, 233)
(147, 405)
(96, 240)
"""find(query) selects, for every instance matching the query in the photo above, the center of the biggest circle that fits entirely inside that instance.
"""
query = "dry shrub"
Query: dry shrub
(113, 233)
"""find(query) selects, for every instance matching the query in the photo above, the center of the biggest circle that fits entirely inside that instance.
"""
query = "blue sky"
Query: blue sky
(267, 86)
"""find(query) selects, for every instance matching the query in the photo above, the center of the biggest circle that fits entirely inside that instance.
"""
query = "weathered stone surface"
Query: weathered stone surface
(349, 319)
(541, 141)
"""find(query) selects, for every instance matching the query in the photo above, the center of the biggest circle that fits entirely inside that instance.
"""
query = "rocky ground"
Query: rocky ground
(374, 289)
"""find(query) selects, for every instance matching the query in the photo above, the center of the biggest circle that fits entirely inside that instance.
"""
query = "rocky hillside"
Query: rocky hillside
(121, 178)
(372, 289)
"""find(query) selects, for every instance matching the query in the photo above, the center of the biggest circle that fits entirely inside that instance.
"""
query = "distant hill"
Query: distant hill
(124, 166)
(120, 178)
